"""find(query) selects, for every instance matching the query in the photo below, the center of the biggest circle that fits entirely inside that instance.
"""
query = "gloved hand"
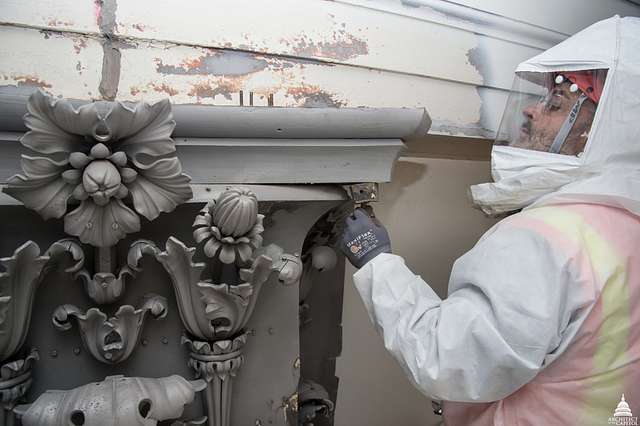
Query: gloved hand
(364, 238)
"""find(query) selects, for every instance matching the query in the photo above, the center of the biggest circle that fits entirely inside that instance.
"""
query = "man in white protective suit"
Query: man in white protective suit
(541, 325)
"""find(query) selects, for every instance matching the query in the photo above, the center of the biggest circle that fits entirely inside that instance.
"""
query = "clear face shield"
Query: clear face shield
(551, 112)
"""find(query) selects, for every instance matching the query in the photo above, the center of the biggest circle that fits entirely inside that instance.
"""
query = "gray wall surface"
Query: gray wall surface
(431, 223)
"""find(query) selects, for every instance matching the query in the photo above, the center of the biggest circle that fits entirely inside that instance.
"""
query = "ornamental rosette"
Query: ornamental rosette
(230, 226)
(104, 158)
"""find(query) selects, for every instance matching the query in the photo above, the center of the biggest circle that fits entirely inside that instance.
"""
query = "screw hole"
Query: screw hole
(144, 407)
(77, 418)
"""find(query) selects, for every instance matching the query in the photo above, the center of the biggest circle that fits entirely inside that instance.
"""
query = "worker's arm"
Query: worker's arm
(510, 305)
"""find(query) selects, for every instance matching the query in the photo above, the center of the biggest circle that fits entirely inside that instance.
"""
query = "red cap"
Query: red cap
(589, 82)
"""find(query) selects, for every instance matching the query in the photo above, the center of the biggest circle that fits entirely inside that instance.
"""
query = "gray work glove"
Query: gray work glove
(364, 238)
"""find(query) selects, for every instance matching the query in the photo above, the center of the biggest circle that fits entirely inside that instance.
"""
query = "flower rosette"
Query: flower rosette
(230, 226)
(103, 161)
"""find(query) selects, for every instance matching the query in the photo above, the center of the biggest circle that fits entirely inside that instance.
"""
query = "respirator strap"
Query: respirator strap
(561, 137)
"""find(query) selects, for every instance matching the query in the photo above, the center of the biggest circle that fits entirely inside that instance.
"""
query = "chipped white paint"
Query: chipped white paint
(291, 82)
(67, 66)
(80, 16)
(308, 29)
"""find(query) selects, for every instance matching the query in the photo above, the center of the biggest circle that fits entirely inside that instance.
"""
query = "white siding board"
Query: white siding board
(566, 16)
(63, 15)
(310, 29)
(292, 83)
(63, 65)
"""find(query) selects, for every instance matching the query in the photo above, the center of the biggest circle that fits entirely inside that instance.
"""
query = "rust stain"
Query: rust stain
(210, 89)
(342, 46)
(140, 27)
(31, 81)
(164, 88)
(156, 87)
(313, 96)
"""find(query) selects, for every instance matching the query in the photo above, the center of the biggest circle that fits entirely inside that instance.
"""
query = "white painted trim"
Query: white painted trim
(469, 19)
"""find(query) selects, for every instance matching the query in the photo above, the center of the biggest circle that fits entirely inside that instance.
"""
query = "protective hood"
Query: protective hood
(608, 171)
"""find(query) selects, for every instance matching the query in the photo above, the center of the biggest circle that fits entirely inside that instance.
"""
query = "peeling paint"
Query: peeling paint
(79, 43)
(313, 96)
(475, 57)
(164, 88)
(30, 81)
(219, 63)
(210, 89)
(59, 23)
(342, 46)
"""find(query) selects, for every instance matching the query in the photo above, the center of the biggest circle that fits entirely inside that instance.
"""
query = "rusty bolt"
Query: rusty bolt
(165, 341)
(76, 351)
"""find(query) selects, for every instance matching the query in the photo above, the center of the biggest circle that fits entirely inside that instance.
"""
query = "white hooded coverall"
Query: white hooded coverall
(541, 325)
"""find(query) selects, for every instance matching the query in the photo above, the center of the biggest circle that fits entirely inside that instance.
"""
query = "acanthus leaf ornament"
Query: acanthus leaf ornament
(122, 401)
(215, 313)
(102, 166)
(110, 340)
(18, 284)
(210, 311)
(102, 287)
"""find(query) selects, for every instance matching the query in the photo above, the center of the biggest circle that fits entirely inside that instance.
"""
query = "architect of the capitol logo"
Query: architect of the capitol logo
(623, 415)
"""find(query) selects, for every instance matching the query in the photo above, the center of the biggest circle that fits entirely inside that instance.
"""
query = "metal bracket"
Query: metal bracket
(362, 192)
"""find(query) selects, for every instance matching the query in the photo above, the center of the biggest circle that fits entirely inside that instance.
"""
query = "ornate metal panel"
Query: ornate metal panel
(118, 245)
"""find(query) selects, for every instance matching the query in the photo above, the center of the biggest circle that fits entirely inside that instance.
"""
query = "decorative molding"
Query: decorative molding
(110, 340)
(103, 287)
(217, 363)
(15, 381)
(18, 284)
(209, 311)
(231, 122)
(230, 227)
(216, 313)
(123, 401)
(106, 158)
(313, 401)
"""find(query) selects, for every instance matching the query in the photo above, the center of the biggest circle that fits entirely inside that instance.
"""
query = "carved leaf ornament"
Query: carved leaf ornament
(110, 340)
(230, 227)
(18, 284)
(101, 161)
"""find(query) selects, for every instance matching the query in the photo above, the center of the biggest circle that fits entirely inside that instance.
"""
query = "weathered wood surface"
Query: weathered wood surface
(454, 58)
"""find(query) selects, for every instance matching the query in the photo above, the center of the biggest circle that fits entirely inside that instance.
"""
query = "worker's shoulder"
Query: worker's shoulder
(571, 220)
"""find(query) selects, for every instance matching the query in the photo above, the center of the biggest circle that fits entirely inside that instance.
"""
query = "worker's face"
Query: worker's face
(543, 120)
